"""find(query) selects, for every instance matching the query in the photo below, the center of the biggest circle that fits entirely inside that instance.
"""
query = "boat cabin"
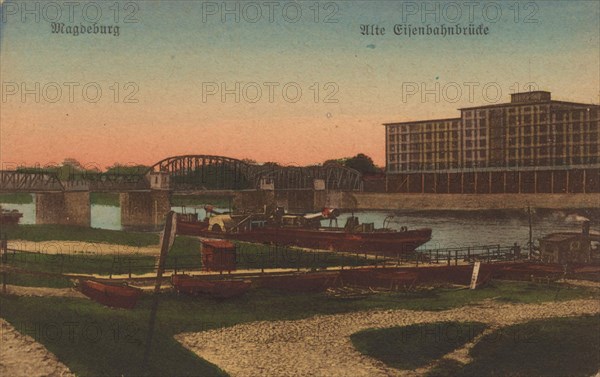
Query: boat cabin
(567, 247)
(218, 255)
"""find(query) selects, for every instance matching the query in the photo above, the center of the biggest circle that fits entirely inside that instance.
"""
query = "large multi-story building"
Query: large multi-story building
(532, 144)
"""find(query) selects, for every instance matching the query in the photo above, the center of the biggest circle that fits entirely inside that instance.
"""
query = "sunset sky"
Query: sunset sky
(176, 50)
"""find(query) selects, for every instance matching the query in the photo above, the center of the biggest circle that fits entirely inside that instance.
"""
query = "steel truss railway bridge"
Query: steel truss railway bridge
(190, 173)
(144, 198)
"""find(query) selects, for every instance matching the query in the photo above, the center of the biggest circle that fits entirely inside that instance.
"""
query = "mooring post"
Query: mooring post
(4, 260)
(4, 249)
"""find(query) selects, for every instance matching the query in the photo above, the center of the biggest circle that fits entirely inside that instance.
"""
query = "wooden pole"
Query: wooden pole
(168, 238)
(4, 260)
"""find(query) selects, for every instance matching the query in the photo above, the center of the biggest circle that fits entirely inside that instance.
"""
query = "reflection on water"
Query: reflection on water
(462, 230)
(449, 230)
(106, 217)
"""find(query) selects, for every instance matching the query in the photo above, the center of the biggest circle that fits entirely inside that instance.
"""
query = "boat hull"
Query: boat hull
(385, 242)
(112, 295)
(10, 218)
(191, 228)
(215, 288)
(309, 282)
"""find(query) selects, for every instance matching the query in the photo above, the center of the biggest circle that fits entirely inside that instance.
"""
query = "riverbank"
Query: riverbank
(321, 345)
(21, 355)
(92, 339)
(467, 202)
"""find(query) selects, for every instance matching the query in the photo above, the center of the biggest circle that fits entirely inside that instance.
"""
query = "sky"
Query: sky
(291, 82)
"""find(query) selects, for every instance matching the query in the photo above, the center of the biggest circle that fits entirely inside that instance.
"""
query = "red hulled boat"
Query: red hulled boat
(10, 217)
(306, 231)
(111, 294)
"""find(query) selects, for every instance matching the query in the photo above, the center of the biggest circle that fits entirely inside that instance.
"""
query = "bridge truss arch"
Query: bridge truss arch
(207, 172)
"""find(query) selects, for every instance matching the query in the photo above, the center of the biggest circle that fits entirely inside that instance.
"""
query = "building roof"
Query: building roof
(498, 105)
(514, 104)
(421, 121)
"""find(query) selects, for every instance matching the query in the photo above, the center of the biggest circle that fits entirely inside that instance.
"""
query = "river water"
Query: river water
(450, 229)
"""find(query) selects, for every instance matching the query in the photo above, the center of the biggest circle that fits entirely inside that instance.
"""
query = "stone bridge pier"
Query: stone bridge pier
(144, 210)
(65, 208)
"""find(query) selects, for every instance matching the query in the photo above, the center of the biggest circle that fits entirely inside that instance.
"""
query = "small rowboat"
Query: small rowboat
(111, 294)
(215, 288)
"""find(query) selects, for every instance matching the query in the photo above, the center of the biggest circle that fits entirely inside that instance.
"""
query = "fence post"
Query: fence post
(262, 262)
(449, 257)
(4, 260)
(4, 249)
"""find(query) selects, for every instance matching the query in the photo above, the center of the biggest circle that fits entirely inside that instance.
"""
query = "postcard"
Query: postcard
(299, 188)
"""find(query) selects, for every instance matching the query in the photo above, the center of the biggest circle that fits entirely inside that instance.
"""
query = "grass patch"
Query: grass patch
(185, 254)
(196, 200)
(549, 347)
(97, 341)
(27, 280)
(39, 233)
(116, 349)
(415, 346)
(16, 198)
(506, 291)
(105, 199)
(81, 263)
